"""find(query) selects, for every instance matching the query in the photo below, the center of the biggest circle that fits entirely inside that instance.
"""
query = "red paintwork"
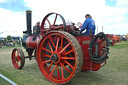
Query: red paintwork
(117, 39)
(111, 38)
(32, 44)
(88, 64)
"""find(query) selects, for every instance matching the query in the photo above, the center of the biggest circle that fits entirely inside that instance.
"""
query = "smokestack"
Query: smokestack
(28, 21)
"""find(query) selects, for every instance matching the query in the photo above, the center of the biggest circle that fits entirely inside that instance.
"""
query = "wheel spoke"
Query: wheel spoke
(57, 43)
(19, 59)
(55, 19)
(49, 22)
(53, 70)
(48, 56)
(45, 30)
(53, 27)
(18, 62)
(62, 72)
(50, 66)
(58, 71)
(50, 46)
(61, 42)
(66, 68)
(59, 27)
(68, 58)
(68, 52)
(46, 50)
(43, 62)
(69, 64)
(64, 48)
(52, 42)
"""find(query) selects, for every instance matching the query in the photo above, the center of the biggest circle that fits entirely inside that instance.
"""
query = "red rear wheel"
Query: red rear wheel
(18, 59)
(60, 57)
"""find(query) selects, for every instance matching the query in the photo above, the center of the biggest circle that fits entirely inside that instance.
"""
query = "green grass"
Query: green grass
(123, 44)
(115, 72)
(5, 47)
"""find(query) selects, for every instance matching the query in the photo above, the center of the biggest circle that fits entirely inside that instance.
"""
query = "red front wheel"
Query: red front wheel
(60, 57)
(18, 59)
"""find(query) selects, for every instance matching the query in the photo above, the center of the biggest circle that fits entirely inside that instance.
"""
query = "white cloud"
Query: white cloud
(2, 0)
(75, 11)
(121, 27)
(111, 18)
(122, 3)
(12, 21)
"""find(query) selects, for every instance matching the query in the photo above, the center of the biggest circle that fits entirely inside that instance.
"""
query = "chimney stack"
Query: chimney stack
(28, 21)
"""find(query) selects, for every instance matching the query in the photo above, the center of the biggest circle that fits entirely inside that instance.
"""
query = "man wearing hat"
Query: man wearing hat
(89, 25)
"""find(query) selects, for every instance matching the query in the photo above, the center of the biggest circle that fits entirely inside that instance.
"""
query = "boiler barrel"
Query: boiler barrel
(30, 42)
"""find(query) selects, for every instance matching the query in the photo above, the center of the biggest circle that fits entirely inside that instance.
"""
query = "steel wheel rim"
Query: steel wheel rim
(16, 58)
(42, 62)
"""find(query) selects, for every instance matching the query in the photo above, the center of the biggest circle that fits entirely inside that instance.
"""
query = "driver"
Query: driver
(89, 25)
(36, 29)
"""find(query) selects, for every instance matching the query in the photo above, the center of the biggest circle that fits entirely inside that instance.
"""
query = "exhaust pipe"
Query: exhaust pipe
(28, 22)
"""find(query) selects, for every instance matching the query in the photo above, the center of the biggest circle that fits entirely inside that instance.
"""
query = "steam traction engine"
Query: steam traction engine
(60, 51)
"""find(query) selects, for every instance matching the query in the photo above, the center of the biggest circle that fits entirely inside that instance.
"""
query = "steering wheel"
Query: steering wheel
(80, 24)
(53, 21)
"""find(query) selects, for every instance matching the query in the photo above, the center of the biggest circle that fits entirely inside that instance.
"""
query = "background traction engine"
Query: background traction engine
(61, 53)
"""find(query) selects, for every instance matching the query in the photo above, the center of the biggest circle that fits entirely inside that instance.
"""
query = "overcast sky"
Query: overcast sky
(111, 14)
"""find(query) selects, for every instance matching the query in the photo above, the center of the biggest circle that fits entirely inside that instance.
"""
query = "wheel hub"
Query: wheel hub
(15, 58)
(54, 58)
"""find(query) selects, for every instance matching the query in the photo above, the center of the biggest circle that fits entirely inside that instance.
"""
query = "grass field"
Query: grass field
(115, 72)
